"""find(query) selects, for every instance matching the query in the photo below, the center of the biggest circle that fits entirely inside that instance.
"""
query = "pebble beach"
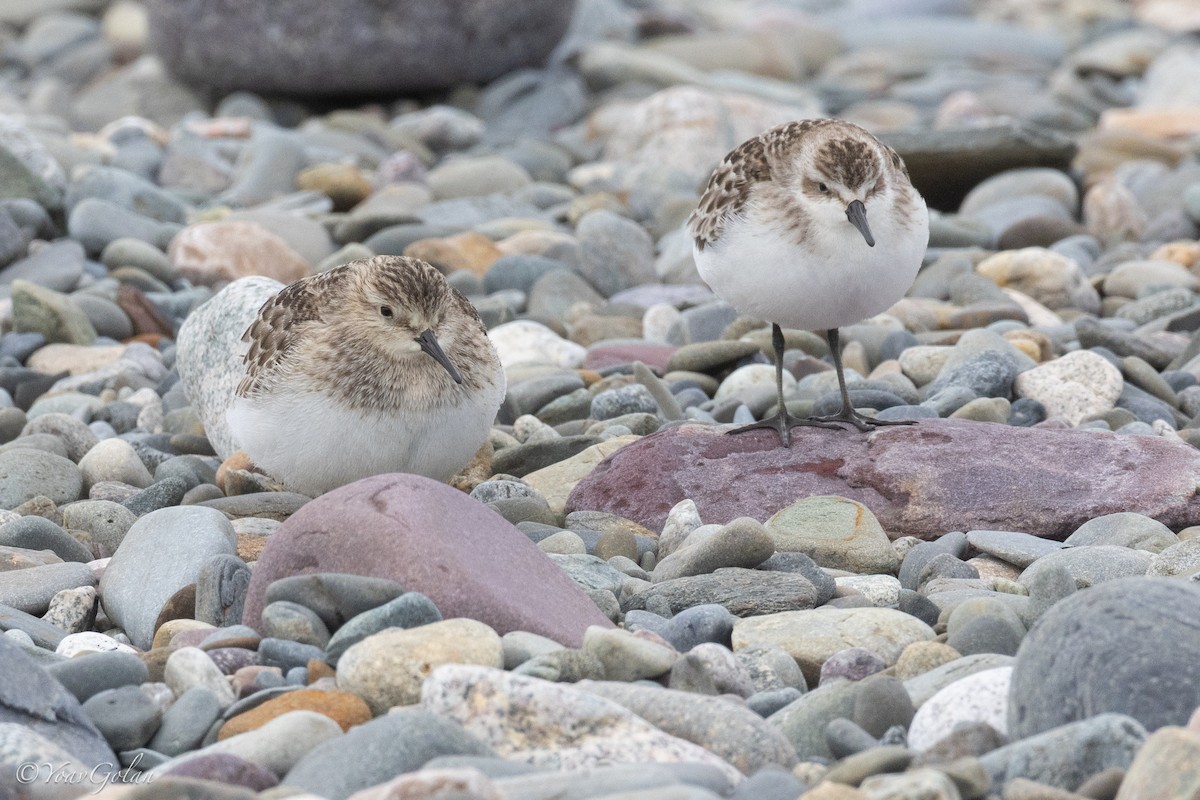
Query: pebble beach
(613, 599)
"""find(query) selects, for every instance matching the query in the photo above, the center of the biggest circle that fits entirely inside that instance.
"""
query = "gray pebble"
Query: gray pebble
(38, 533)
(125, 716)
(186, 722)
(284, 619)
(87, 675)
(409, 610)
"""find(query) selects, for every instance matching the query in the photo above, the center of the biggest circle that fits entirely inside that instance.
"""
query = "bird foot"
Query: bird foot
(861, 421)
(782, 423)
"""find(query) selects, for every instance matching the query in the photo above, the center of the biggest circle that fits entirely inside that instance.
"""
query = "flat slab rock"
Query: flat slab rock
(920, 480)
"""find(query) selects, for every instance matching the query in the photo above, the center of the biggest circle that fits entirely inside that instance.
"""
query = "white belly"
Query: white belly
(312, 446)
(835, 280)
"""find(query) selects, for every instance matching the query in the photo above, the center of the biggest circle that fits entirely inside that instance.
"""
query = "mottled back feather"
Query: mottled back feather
(280, 323)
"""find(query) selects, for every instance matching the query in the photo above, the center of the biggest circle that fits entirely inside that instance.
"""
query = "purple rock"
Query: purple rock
(230, 659)
(923, 480)
(225, 768)
(433, 539)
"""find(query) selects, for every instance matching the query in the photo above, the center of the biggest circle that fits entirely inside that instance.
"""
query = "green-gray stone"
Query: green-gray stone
(37, 309)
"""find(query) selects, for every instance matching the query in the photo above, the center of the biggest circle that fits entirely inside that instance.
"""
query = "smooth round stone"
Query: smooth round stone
(286, 620)
(95, 223)
(1052, 279)
(882, 704)
(114, 460)
(381, 53)
(137, 253)
(38, 533)
(688, 628)
(916, 559)
(994, 629)
(154, 561)
(1049, 183)
(190, 667)
(615, 253)
(836, 533)
(387, 668)
(986, 374)
(1019, 549)
(377, 751)
(287, 655)
(26, 473)
(409, 610)
(945, 565)
(1131, 278)
(853, 664)
(1078, 661)
(57, 265)
(1124, 529)
(556, 291)
(743, 542)
(125, 716)
(107, 318)
(811, 637)
(223, 769)
(87, 675)
(473, 176)
(1090, 565)
(336, 598)
(520, 271)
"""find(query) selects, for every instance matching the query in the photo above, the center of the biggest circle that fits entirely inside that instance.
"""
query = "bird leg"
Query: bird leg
(848, 414)
(782, 422)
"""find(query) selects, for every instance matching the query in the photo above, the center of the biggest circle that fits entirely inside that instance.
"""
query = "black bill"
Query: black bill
(856, 212)
(429, 344)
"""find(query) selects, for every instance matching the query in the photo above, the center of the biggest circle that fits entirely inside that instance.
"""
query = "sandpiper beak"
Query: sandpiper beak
(429, 343)
(856, 212)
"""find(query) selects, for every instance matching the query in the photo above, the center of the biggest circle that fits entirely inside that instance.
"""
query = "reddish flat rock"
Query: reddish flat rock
(920, 480)
(602, 356)
(433, 539)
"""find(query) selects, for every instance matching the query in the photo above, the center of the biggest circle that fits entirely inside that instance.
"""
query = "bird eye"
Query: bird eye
(823, 187)
(386, 312)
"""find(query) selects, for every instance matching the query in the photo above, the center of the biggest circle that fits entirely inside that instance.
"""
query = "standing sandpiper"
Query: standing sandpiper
(375, 366)
(786, 232)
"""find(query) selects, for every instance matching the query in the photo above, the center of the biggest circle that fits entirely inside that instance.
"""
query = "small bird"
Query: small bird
(786, 232)
(375, 366)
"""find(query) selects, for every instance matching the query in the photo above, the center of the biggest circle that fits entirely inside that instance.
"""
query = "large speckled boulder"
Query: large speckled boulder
(433, 539)
(1130, 646)
(311, 47)
(210, 349)
(920, 480)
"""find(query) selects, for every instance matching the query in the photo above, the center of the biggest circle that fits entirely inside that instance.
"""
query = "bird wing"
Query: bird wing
(280, 325)
(728, 190)
(731, 183)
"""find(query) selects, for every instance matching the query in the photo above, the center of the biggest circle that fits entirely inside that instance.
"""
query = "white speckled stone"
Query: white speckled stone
(751, 379)
(981, 697)
(1075, 386)
(552, 724)
(210, 350)
(90, 642)
(528, 342)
